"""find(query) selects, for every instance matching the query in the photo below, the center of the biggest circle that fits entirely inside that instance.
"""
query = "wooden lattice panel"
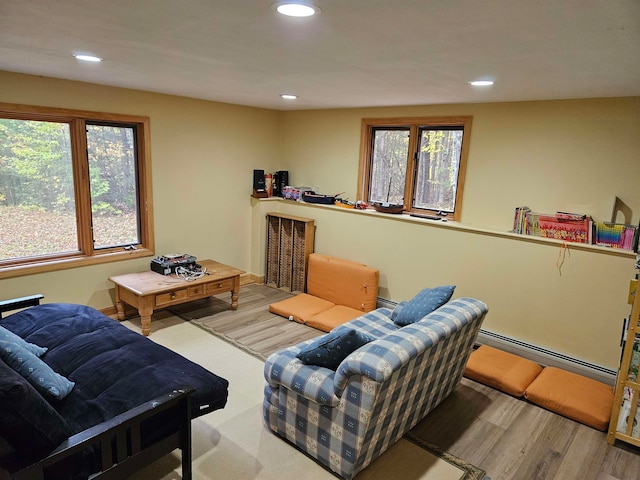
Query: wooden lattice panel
(289, 243)
(273, 250)
(286, 253)
(299, 267)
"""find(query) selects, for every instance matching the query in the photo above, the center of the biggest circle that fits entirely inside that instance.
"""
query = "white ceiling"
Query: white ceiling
(355, 53)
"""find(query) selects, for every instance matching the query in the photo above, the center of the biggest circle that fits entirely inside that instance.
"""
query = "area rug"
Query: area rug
(254, 330)
(251, 327)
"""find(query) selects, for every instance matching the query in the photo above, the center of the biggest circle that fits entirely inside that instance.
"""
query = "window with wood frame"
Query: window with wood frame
(75, 188)
(419, 163)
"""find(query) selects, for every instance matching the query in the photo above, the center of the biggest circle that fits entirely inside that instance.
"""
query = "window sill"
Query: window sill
(462, 227)
(71, 262)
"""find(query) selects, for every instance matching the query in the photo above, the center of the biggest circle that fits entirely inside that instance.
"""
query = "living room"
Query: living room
(571, 153)
(576, 311)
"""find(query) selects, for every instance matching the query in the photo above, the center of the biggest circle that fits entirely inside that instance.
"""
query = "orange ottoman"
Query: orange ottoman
(579, 398)
(503, 371)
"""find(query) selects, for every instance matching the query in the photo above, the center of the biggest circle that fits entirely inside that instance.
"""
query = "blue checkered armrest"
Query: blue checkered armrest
(316, 383)
(312, 382)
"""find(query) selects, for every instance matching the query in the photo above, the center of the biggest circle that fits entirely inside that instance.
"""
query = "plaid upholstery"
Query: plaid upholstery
(346, 419)
(375, 324)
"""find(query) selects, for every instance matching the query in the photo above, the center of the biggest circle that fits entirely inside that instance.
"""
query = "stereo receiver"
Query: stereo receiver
(167, 264)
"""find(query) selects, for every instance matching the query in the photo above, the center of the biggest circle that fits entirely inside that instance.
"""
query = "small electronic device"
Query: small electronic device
(428, 217)
(168, 264)
(259, 185)
(280, 180)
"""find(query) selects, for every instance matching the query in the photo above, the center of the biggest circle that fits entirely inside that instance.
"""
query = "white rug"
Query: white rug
(233, 444)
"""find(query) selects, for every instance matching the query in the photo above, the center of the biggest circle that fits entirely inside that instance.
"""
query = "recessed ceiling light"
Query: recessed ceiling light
(296, 9)
(288, 96)
(87, 58)
(482, 83)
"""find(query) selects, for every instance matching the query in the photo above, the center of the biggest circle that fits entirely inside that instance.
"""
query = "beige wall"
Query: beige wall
(556, 155)
(577, 313)
(203, 154)
(547, 155)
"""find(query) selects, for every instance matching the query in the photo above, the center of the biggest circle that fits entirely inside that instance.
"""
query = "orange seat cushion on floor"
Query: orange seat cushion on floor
(503, 371)
(580, 398)
(329, 319)
(302, 307)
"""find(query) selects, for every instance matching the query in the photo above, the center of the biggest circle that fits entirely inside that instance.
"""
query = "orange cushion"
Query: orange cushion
(580, 398)
(329, 319)
(342, 282)
(503, 371)
(301, 307)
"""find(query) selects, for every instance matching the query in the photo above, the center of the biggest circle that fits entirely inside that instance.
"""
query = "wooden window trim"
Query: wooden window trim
(88, 256)
(413, 124)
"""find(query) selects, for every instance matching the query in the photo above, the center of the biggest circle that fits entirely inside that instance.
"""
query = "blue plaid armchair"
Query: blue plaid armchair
(348, 417)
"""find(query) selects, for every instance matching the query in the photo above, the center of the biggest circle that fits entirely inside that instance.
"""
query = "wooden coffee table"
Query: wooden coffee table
(149, 291)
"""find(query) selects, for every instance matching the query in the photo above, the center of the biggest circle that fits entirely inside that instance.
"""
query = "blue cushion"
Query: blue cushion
(27, 421)
(329, 350)
(38, 373)
(426, 301)
(9, 336)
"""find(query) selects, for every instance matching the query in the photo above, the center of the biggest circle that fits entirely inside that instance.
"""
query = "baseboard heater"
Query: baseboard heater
(547, 358)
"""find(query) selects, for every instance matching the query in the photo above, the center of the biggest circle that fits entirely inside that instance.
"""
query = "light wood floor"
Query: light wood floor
(509, 438)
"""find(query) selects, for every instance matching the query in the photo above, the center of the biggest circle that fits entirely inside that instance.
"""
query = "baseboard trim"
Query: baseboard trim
(109, 312)
(112, 312)
(247, 278)
(535, 353)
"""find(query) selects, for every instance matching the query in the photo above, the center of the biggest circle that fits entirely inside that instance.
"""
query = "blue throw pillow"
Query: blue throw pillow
(330, 350)
(38, 373)
(9, 336)
(27, 421)
(426, 301)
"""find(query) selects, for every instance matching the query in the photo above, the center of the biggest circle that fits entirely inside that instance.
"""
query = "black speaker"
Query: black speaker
(258, 180)
(259, 187)
(280, 180)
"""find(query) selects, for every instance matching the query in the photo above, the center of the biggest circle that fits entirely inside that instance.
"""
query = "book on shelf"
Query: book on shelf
(519, 219)
(565, 226)
(634, 364)
(625, 414)
(532, 225)
(571, 216)
(617, 235)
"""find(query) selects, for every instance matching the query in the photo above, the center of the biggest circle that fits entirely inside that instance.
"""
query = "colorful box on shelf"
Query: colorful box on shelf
(568, 227)
(294, 193)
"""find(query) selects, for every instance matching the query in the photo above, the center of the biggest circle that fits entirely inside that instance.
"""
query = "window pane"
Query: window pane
(37, 202)
(389, 165)
(438, 166)
(113, 183)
